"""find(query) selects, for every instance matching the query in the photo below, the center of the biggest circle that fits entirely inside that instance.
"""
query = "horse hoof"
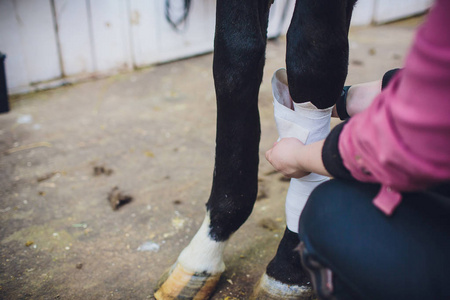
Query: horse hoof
(178, 283)
(269, 288)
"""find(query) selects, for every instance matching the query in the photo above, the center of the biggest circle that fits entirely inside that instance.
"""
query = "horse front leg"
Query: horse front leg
(239, 50)
(317, 62)
(317, 51)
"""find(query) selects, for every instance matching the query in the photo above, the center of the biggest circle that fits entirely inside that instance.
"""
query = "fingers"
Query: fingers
(268, 153)
(282, 156)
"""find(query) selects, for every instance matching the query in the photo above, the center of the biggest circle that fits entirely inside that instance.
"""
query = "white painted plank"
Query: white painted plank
(198, 35)
(110, 31)
(144, 32)
(11, 45)
(38, 38)
(290, 12)
(108, 36)
(387, 10)
(74, 39)
(280, 17)
(125, 28)
(363, 13)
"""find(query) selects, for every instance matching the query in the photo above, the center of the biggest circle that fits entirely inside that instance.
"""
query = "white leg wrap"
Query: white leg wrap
(307, 123)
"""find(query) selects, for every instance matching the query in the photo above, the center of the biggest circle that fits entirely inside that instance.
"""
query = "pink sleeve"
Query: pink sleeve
(403, 139)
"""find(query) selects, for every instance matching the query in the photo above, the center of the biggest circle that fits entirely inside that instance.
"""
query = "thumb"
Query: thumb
(268, 154)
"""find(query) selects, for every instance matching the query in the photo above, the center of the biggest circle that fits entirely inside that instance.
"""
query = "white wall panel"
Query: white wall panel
(280, 17)
(110, 35)
(197, 35)
(363, 12)
(388, 10)
(144, 32)
(11, 45)
(74, 37)
(37, 32)
(38, 39)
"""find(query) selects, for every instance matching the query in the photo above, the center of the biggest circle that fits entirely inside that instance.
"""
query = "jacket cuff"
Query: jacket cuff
(387, 77)
(331, 157)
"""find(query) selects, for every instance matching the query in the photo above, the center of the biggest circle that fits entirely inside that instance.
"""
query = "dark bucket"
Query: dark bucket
(4, 101)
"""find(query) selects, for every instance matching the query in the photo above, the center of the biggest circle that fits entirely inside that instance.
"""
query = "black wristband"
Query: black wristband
(387, 77)
(341, 104)
(331, 157)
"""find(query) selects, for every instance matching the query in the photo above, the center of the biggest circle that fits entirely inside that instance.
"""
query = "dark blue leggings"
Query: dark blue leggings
(354, 251)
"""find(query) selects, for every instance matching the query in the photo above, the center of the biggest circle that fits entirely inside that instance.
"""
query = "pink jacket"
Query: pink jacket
(403, 139)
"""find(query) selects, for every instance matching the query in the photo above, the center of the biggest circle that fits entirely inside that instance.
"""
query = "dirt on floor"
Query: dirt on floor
(103, 183)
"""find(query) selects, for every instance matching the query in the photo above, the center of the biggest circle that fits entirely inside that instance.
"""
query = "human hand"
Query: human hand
(284, 157)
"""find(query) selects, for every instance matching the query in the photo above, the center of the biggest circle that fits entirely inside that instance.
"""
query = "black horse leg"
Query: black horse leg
(240, 44)
(239, 52)
(317, 62)
(317, 50)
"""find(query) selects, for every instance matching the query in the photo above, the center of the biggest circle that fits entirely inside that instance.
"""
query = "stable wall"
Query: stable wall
(52, 42)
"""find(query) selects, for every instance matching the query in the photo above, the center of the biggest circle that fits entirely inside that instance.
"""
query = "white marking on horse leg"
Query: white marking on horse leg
(307, 123)
(197, 270)
(203, 254)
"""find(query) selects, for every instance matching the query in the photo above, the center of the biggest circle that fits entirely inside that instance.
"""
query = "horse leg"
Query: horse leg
(239, 48)
(317, 60)
(317, 51)
(284, 277)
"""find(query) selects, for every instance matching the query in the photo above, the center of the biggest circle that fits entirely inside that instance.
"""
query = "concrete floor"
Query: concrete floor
(155, 130)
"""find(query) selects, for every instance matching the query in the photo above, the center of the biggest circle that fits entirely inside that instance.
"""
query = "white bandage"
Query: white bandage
(307, 123)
